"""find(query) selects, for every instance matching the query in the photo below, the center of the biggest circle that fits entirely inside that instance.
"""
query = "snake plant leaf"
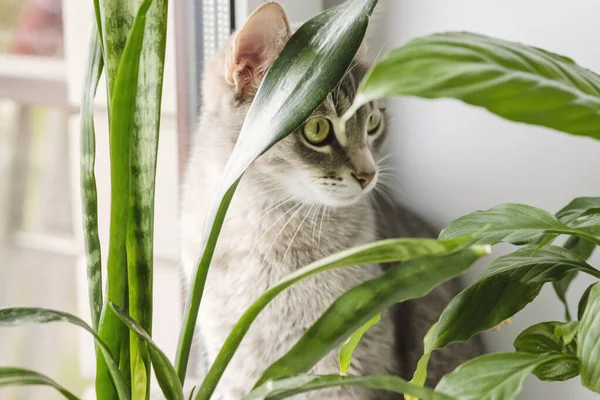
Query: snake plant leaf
(512, 223)
(544, 339)
(144, 133)
(286, 387)
(89, 194)
(514, 81)
(492, 376)
(383, 251)
(30, 315)
(507, 286)
(308, 68)
(21, 376)
(588, 341)
(354, 308)
(164, 371)
(347, 349)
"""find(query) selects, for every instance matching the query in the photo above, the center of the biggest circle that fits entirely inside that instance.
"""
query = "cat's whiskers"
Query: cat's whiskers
(302, 205)
(381, 191)
(321, 226)
(296, 233)
(314, 222)
(277, 204)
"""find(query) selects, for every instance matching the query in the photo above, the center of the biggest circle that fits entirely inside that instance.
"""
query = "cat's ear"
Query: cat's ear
(256, 46)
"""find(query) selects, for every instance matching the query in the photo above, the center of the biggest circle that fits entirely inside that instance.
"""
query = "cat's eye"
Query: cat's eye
(374, 121)
(316, 130)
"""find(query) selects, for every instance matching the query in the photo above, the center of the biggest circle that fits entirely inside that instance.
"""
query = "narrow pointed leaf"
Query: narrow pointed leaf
(543, 339)
(27, 315)
(588, 341)
(512, 223)
(128, 91)
(347, 349)
(507, 286)
(89, 194)
(492, 376)
(307, 69)
(383, 251)
(163, 369)
(514, 81)
(20, 376)
(144, 133)
(283, 388)
(354, 308)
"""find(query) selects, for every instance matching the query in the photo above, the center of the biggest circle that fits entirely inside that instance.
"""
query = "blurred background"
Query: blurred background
(451, 159)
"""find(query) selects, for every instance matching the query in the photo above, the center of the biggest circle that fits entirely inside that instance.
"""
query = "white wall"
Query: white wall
(453, 159)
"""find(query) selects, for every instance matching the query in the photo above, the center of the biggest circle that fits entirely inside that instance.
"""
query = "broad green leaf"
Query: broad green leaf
(89, 194)
(283, 388)
(308, 68)
(347, 349)
(420, 374)
(588, 341)
(512, 223)
(492, 376)
(21, 376)
(507, 286)
(27, 315)
(567, 332)
(164, 371)
(583, 301)
(544, 339)
(354, 308)
(584, 249)
(384, 251)
(514, 81)
(577, 208)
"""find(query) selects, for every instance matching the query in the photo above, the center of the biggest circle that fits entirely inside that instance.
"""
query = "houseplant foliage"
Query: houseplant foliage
(514, 81)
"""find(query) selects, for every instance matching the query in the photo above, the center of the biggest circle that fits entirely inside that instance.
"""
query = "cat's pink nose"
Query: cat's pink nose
(364, 178)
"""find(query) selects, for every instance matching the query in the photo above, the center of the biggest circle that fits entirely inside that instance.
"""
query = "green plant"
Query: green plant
(516, 82)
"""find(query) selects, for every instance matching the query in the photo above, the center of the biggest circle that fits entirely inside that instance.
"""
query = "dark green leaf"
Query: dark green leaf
(512, 223)
(89, 195)
(164, 371)
(544, 339)
(492, 376)
(512, 80)
(506, 287)
(347, 349)
(26, 315)
(588, 341)
(584, 249)
(383, 251)
(583, 301)
(20, 376)
(354, 308)
(309, 67)
(282, 388)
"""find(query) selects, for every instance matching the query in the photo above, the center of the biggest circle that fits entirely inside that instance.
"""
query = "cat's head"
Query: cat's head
(317, 163)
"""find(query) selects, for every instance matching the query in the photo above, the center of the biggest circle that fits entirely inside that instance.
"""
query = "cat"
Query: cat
(309, 196)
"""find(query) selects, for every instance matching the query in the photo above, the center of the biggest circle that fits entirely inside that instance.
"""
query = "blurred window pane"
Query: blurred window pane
(31, 27)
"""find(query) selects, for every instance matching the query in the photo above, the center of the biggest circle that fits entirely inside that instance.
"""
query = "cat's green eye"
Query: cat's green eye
(374, 121)
(316, 130)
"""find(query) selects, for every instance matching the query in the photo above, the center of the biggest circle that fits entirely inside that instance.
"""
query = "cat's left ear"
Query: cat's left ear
(256, 46)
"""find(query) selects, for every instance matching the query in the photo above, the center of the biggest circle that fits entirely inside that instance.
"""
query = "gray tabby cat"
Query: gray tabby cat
(309, 196)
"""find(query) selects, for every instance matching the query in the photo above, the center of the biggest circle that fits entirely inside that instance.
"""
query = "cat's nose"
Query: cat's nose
(364, 178)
